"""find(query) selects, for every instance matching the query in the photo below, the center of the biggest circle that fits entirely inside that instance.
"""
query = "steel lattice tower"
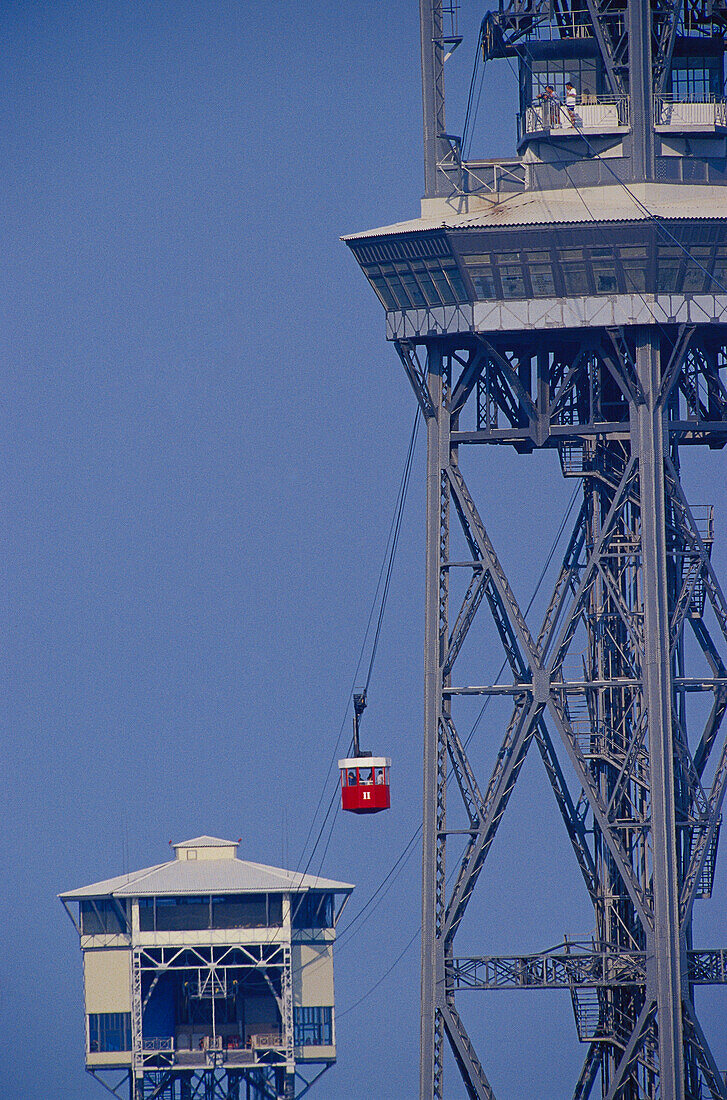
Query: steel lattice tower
(573, 298)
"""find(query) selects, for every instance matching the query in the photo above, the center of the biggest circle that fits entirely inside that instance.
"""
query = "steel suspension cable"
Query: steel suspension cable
(385, 573)
(372, 904)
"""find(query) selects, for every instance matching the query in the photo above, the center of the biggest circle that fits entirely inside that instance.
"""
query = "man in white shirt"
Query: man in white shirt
(570, 102)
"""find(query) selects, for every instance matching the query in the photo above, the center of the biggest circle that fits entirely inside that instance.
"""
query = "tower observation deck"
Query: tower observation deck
(208, 976)
(574, 298)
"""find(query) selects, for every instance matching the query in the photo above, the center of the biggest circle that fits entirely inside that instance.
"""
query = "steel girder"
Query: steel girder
(639, 789)
(261, 1083)
(157, 1075)
(215, 1084)
(518, 23)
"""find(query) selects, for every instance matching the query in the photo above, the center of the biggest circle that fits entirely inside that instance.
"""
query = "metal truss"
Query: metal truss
(517, 23)
(261, 1083)
(623, 689)
(215, 1084)
(156, 1074)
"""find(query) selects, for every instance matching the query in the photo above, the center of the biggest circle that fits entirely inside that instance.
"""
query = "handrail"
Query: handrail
(686, 110)
(592, 114)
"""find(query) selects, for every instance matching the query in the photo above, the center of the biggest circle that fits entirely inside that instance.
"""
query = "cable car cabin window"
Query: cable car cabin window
(365, 776)
(103, 918)
(313, 910)
(379, 776)
(351, 778)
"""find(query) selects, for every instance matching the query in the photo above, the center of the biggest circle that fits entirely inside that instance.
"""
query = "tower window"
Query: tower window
(313, 1027)
(109, 1031)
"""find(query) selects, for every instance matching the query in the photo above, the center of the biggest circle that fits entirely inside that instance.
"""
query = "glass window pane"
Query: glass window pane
(275, 910)
(411, 287)
(109, 1032)
(635, 277)
(484, 286)
(541, 277)
(240, 911)
(182, 914)
(575, 278)
(605, 279)
(103, 918)
(146, 914)
(445, 291)
(385, 296)
(695, 276)
(313, 1026)
(513, 282)
(400, 295)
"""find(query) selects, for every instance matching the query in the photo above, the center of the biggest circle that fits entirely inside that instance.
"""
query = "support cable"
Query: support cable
(604, 161)
(470, 117)
(385, 574)
(397, 867)
(392, 546)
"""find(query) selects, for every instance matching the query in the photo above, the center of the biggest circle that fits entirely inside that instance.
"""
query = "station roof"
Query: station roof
(566, 206)
(223, 873)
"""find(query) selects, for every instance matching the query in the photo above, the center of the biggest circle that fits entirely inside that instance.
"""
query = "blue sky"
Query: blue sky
(204, 435)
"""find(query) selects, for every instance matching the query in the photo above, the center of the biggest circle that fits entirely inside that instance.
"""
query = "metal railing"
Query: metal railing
(157, 1043)
(686, 110)
(479, 177)
(600, 113)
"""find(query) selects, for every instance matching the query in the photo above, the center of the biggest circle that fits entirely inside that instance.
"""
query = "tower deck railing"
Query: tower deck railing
(597, 115)
(480, 177)
(685, 112)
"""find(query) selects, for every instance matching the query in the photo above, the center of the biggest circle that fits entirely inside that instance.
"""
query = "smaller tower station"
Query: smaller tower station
(208, 973)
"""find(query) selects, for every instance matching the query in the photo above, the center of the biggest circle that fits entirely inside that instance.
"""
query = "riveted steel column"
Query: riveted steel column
(664, 947)
(641, 90)
(437, 519)
(431, 26)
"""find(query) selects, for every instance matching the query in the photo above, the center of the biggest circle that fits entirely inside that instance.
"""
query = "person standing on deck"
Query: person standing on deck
(570, 102)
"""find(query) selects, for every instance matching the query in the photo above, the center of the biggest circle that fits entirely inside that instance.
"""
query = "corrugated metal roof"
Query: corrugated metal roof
(611, 203)
(205, 876)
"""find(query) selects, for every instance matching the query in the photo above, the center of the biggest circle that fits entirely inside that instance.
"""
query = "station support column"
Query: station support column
(433, 869)
(664, 947)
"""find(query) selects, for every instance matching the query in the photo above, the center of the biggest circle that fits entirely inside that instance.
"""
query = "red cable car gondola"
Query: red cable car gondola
(364, 778)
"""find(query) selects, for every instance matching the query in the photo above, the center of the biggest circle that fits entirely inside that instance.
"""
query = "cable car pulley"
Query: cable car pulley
(364, 777)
